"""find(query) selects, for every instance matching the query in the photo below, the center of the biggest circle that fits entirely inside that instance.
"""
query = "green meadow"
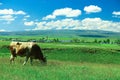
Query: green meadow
(66, 61)
(71, 55)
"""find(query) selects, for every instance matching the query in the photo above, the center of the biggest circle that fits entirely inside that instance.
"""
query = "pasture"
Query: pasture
(66, 61)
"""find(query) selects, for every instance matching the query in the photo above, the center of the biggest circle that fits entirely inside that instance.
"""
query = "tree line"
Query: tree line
(73, 40)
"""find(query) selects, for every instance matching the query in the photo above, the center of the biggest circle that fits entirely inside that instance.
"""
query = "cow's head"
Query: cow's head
(44, 60)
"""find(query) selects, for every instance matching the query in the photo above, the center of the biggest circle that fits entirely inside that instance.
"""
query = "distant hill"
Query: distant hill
(64, 33)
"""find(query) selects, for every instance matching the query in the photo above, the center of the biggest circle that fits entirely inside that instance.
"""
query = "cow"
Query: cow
(26, 49)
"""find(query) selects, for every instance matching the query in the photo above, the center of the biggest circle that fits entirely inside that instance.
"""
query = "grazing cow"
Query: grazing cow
(26, 49)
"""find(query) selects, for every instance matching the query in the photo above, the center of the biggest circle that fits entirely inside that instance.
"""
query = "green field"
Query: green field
(66, 61)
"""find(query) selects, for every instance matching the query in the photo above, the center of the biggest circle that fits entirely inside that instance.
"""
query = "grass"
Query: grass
(65, 62)
(84, 55)
(79, 45)
(57, 70)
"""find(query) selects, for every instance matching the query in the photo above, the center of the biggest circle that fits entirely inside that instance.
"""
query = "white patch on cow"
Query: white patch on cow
(11, 56)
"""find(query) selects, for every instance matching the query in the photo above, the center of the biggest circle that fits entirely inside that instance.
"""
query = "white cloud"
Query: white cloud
(85, 24)
(67, 12)
(92, 9)
(49, 17)
(31, 23)
(26, 17)
(100, 24)
(7, 18)
(9, 15)
(59, 24)
(11, 12)
(116, 14)
(2, 30)
(19, 12)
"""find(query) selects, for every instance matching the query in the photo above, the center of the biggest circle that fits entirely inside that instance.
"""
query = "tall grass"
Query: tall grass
(57, 70)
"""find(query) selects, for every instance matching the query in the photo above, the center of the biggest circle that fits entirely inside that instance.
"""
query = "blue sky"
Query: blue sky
(25, 15)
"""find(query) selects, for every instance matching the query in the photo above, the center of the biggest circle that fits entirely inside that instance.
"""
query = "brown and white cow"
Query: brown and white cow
(26, 49)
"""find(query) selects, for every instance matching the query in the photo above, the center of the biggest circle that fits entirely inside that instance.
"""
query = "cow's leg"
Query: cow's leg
(31, 60)
(11, 58)
(26, 59)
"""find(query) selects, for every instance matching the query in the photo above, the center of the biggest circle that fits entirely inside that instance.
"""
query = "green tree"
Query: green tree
(95, 41)
(117, 41)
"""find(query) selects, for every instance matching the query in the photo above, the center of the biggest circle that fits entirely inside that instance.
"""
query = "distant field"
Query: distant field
(87, 35)
(66, 61)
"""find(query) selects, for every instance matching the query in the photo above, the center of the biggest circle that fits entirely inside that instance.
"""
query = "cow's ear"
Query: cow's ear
(19, 43)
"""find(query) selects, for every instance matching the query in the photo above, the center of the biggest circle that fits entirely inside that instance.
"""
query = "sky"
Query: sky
(27, 15)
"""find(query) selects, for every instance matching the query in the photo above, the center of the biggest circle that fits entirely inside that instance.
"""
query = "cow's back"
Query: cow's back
(20, 48)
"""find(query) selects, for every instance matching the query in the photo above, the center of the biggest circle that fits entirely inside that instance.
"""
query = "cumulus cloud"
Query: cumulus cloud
(67, 12)
(31, 23)
(2, 30)
(7, 17)
(116, 14)
(11, 12)
(100, 24)
(59, 24)
(49, 17)
(92, 9)
(85, 24)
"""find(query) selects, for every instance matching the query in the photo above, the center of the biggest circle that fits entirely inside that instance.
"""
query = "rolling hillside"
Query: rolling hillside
(64, 33)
